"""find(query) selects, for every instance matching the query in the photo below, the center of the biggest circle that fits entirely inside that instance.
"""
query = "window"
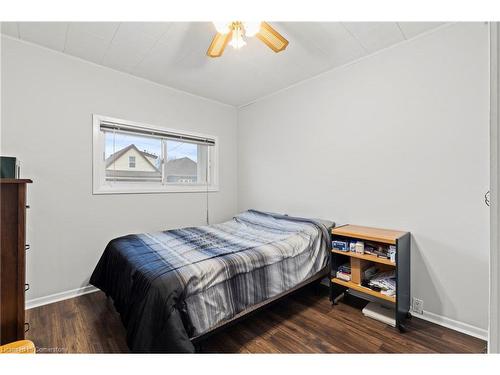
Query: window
(131, 157)
(131, 161)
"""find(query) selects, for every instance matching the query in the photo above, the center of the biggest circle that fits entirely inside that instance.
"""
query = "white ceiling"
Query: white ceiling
(173, 53)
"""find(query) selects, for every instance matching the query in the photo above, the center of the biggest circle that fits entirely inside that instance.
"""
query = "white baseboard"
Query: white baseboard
(35, 302)
(455, 325)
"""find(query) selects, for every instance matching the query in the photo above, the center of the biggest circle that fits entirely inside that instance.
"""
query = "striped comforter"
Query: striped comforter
(173, 285)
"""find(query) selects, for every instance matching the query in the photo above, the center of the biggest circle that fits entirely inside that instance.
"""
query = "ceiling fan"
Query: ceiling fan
(232, 33)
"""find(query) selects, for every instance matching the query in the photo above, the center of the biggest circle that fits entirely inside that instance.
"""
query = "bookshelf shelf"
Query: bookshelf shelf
(371, 258)
(360, 288)
(360, 262)
(387, 236)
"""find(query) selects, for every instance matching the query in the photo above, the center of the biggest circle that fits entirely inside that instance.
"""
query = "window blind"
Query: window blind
(116, 127)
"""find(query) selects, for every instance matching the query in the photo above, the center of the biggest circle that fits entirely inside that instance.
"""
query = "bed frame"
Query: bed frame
(197, 340)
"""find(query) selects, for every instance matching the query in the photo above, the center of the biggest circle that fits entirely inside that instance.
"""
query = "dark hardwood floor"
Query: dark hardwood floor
(302, 323)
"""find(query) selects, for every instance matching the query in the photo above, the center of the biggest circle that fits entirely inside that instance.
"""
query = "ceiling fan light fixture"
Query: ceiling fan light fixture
(272, 38)
(237, 40)
(218, 44)
(233, 33)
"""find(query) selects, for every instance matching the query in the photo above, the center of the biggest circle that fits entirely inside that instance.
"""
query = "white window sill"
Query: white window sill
(169, 189)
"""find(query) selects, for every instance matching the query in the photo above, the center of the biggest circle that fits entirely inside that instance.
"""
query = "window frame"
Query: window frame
(131, 160)
(100, 186)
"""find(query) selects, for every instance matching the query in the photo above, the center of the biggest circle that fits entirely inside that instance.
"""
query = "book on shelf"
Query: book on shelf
(343, 276)
(381, 255)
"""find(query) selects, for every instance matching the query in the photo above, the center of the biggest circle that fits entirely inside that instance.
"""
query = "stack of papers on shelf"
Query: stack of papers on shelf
(344, 272)
(385, 281)
(343, 276)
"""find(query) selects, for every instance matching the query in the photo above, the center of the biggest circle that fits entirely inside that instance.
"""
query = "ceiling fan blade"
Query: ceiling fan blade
(271, 37)
(219, 42)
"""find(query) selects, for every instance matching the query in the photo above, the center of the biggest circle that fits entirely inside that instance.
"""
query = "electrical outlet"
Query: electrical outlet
(418, 306)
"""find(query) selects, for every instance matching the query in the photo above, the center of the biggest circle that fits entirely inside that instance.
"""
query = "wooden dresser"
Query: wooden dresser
(12, 258)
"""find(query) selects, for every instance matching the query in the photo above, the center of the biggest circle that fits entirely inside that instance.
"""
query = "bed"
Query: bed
(174, 288)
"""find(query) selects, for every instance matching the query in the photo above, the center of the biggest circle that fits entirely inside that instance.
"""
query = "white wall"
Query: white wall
(47, 104)
(494, 312)
(397, 140)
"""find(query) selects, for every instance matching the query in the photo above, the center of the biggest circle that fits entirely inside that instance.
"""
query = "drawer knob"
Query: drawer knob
(26, 287)
(27, 247)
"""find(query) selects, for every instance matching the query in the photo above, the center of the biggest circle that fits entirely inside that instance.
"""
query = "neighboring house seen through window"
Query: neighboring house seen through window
(131, 157)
